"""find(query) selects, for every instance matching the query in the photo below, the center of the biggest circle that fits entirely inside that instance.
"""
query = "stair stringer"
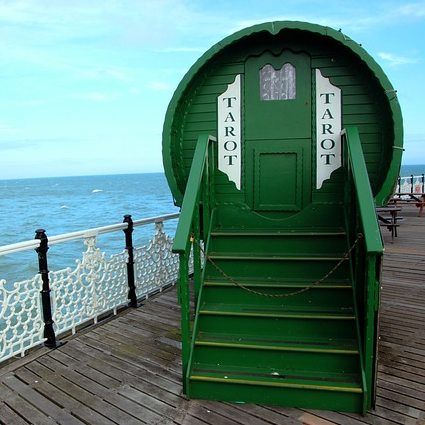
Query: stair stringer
(359, 339)
(197, 307)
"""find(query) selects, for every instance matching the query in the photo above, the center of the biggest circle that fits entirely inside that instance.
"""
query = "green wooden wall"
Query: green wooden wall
(366, 104)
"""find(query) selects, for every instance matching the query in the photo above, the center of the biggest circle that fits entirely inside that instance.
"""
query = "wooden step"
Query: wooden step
(308, 355)
(273, 257)
(285, 387)
(279, 378)
(277, 321)
(298, 312)
(280, 297)
(299, 231)
(293, 283)
(287, 344)
(295, 242)
(266, 267)
(312, 345)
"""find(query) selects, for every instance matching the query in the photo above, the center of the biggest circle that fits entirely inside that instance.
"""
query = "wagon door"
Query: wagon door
(278, 131)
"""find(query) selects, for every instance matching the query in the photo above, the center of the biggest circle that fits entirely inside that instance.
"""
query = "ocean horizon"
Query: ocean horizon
(405, 169)
(68, 204)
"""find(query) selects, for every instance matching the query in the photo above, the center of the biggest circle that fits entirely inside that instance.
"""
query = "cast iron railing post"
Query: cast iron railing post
(130, 263)
(49, 332)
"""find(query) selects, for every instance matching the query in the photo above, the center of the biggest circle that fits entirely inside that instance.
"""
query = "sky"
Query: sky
(85, 84)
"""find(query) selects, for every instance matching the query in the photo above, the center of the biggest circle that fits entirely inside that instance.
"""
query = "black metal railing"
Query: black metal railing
(28, 319)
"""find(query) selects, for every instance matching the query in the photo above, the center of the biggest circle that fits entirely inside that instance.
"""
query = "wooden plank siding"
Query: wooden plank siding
(361, 106)
(127, 370)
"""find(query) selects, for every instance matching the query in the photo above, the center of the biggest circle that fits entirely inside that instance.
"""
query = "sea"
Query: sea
(67, 204)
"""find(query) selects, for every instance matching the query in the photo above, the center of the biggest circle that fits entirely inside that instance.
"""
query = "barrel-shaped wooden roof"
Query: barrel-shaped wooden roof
(369, 100)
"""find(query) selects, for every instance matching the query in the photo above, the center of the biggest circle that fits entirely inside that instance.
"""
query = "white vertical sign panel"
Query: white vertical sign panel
(328, 128)
(229, 132)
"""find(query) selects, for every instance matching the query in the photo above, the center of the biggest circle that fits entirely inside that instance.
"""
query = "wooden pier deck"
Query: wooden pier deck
(127, 370)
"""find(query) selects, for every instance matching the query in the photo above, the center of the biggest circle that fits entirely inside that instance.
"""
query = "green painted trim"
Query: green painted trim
(191, 197)
(274, 28)
(197, 265)
(277, 234)
(370, 328)
(279, 315)
(273, 257)
(371, 232)
(282, 285)
(389, 185)
(185, 313)
(275, 347)
(276, 384)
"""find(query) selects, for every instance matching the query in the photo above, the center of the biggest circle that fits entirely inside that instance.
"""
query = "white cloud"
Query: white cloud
(396, 60)
(7, 130)
(115, 74)
(181, 50)
(418, 138)
(95, 97)
(416, 10)
(158, 85)
(354, 18)
(327, 21)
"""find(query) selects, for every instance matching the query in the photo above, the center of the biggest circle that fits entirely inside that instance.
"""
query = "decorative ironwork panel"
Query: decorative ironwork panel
(418, 186)
(411, 184)
(155, 266)
(405, 185)
(95, 286)
(21, 322)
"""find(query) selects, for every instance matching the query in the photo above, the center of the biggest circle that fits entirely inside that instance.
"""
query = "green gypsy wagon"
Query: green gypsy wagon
(278, 144)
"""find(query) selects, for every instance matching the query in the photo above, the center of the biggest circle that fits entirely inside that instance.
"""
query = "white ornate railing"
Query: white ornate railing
(97, 285)
(410, 185)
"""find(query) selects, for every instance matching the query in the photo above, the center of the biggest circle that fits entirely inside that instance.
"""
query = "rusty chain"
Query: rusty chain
(263, 294)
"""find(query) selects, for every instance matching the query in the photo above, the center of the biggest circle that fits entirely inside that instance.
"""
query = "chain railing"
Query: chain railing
(43, 307)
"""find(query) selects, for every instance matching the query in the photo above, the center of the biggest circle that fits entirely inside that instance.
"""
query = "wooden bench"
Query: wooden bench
(388, 217)
(417, 199)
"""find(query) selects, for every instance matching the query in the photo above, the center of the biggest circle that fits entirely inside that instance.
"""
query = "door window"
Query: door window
(277, 84)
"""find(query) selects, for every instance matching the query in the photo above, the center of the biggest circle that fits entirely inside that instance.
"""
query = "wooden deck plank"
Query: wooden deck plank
(124, 371)
(211, 417)
(128, 370)
(45, 405)
(127, 352)
(105, 388)
(80, 410)
(129, 386)
(228, 411)
(85, 397)
(8, 416)
(283, 416)
(339, 418)
(141, 365)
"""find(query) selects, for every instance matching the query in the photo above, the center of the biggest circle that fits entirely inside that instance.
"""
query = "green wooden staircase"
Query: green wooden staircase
(283, 315)
(268, 330)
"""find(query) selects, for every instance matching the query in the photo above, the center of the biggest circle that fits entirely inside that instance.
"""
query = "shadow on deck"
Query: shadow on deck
(128, 370)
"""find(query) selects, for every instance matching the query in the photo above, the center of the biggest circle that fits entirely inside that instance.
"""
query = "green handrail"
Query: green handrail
(370, 271)
(191, 195)
(188, 223)
(371, 232)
